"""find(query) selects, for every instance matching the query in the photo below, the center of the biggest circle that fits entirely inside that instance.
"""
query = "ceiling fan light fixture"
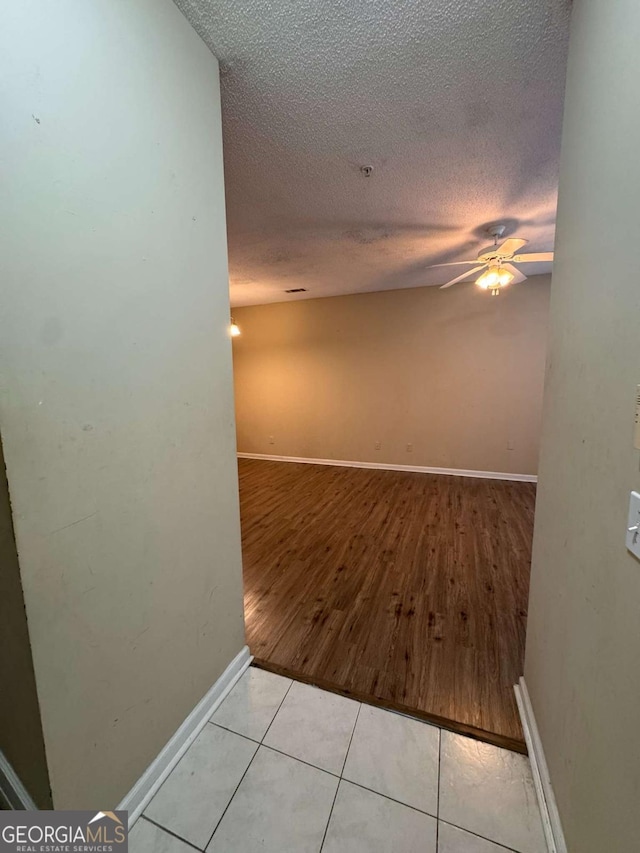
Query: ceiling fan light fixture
(494, 257)
(494, 278)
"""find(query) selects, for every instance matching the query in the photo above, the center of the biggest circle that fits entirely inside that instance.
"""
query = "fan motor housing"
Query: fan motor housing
(492, 253)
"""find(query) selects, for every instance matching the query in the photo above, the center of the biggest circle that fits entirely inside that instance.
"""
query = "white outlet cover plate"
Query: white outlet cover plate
(633, 535)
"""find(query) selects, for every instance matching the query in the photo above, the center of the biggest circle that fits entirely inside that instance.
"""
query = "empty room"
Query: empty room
(395, 567)
(389, 284)
(319, 426)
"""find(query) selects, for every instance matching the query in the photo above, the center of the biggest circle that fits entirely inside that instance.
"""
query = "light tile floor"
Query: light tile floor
(283, 767)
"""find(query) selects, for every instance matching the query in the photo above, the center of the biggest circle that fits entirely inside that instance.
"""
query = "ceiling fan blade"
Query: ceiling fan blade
(535, 258)
(518, 276)
(465, 274)
(454, 264)
(511, 246)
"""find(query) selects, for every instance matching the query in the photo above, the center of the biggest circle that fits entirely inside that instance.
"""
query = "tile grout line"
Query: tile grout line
(483, 837)
(391, 799)
(277, 712)
(215, 829)
(357, 785)
(339, 777)
(248, 766)
(226, 808)
(233, 732)
(170, 832)
(209, 721)
(335, 796)
(335, 775)
(278, 751)
(353, 731)
(333, 802)
(299, 760)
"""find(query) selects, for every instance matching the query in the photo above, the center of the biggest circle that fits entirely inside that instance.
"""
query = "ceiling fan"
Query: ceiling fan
(499, 262)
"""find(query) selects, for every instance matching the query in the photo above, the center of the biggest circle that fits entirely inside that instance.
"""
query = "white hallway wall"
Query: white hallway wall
(117, 405)
(584, 627)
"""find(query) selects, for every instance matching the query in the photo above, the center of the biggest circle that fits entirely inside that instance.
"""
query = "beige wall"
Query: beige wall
(456, 373)
(584, 614)
(20, 727)
(116, 407)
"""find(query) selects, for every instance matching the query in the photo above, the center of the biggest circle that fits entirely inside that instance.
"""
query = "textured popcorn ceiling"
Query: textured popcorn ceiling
(457, 105)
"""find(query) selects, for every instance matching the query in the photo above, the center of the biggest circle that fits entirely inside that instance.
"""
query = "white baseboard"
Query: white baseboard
(148, 784)
(13, 794)
(387, 466)
(542, 781)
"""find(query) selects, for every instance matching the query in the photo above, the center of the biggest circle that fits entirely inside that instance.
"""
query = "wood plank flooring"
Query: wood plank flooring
(404, 590)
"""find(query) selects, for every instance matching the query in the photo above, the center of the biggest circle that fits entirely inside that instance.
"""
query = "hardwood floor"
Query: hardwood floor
(405, 590)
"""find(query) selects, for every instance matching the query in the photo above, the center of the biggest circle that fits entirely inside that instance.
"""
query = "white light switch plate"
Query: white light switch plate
(633, 525)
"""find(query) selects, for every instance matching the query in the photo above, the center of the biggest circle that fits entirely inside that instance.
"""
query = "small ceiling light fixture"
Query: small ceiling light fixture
(495, 277)
(234, 329)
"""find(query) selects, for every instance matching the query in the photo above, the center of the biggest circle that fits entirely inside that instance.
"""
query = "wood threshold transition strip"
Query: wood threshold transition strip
(442, 722)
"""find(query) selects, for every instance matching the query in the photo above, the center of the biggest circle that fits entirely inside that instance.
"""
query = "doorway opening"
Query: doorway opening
(401, 589)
